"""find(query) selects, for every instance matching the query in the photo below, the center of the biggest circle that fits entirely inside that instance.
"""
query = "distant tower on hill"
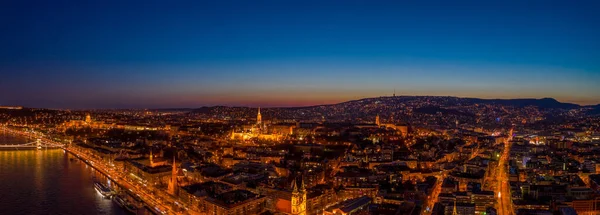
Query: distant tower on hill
(258, 117)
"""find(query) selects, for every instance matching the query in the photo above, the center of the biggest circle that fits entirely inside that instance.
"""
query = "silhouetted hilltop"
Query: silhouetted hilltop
(595, 110)
(541, 103)
(388, 106)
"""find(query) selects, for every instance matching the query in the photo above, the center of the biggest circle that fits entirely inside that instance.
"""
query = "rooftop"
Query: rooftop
(233, 198)
(210, 188)
(351, 205)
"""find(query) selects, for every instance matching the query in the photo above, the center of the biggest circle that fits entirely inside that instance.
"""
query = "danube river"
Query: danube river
(48, 182)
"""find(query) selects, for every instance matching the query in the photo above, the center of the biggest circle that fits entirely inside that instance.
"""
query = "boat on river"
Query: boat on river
(103, 189)
(122, 202)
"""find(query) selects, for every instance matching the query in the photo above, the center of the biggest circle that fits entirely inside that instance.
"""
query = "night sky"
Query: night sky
(156, 54)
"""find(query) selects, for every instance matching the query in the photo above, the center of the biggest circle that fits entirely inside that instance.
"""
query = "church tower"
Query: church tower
(152, 163)
(258, 117)
(298, 198)
(377, 122)
(454, 209)
(173, 182)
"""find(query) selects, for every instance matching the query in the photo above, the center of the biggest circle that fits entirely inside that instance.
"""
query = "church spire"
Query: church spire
(173, 183)
(258, 117)
(454, 212)
(174, 167)
(294, 186)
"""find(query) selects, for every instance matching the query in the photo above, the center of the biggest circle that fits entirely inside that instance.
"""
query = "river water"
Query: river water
(48, 182)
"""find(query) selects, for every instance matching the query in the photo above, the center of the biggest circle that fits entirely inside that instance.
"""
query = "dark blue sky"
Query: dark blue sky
(103, 54)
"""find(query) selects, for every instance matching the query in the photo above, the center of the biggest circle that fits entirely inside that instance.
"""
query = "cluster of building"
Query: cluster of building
(429, 156)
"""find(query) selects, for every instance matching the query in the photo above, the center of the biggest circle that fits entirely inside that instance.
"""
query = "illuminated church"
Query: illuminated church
(258, 117)
(291, 202)
(259, 130)
(298, 198)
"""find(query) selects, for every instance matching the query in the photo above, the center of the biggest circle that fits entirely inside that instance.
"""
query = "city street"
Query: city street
(504, 206)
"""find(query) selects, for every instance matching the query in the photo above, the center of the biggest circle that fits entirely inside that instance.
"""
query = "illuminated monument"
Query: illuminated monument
(259, 130)
(88, 122)
(172, 188)
(298, 198)
(258, 117)
(155, 162)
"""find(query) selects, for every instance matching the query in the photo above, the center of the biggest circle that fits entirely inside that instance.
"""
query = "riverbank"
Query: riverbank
(113, 175)
(48, 182)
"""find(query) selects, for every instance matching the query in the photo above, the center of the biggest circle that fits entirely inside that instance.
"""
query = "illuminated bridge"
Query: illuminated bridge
(39, 144)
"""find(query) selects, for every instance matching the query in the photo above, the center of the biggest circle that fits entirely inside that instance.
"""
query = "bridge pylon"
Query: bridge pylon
(38, 143)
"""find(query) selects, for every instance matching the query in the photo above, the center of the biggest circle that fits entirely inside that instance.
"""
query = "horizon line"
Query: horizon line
(298, 106)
